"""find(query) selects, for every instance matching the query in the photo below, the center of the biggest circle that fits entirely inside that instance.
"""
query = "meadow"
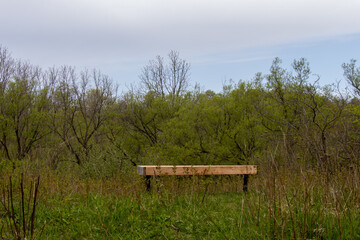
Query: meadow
(70, 144)
(280, 204)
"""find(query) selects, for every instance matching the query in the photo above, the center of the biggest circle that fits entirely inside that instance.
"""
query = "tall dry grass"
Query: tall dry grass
(282, 203)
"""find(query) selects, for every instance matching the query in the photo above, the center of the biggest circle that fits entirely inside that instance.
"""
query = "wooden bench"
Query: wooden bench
(159, 170)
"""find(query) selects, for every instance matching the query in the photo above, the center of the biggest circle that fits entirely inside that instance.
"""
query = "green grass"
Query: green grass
(281, 205)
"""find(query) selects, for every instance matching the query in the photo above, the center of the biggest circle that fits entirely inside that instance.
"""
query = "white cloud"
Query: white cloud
(90, 30)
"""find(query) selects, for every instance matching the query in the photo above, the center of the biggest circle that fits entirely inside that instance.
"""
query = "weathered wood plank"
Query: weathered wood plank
(157, 170)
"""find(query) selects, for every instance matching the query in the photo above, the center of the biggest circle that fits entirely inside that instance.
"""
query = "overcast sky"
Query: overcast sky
(222, 39)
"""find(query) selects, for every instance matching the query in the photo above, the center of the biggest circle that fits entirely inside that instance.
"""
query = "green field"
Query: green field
(279, 205)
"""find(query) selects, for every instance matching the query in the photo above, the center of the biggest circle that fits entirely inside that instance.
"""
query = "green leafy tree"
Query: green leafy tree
(300, 114)
(24, 103)
(7, 69)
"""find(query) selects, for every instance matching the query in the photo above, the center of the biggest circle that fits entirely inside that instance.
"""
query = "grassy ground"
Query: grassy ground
(279, 205)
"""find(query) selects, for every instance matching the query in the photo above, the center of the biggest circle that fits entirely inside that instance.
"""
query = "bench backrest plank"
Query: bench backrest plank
(157, 170)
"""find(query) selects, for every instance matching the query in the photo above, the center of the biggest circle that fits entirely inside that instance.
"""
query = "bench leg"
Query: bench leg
(246, 180)
(148, 182)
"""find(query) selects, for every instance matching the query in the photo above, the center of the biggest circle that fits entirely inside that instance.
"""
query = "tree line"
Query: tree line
(64, 116)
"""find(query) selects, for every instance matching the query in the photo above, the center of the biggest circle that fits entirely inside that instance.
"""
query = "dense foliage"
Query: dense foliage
(61, 117)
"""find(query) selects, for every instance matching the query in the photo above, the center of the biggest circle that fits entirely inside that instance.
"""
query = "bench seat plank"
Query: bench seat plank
(157, 170)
